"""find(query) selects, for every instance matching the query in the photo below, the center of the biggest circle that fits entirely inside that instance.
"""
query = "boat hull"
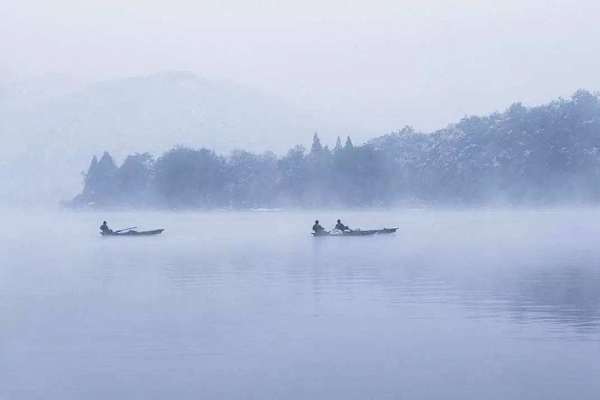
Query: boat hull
(387, 230)
(356, 233)
(133, 233)
(344, 234)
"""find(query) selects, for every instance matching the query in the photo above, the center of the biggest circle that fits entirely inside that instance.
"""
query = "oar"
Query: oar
(126, 229)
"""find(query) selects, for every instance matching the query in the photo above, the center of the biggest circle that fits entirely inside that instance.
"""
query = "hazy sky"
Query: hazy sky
(375, 66)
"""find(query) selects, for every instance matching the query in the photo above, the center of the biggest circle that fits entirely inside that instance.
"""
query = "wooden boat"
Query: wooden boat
(133, 233)
(358, 232)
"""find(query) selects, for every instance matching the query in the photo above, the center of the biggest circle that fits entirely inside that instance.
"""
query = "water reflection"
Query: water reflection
(522, 284)
(557, 295)
(262, 315)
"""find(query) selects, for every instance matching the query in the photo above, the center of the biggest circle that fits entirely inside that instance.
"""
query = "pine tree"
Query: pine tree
(94, 162)
(90, 178)
(107, 164)
(316, 148)
(338, 145)
(349, 144)
(99, 180)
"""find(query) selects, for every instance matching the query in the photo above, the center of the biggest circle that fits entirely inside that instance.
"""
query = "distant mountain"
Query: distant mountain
(158, 111)
(53, 124)
(27, 93)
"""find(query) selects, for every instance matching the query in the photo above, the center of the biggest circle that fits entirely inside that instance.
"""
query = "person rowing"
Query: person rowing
(341, 227)
(317, 227)
(105, 229)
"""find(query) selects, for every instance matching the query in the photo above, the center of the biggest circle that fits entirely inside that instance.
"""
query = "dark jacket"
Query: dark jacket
(318, 228)
(341, 227)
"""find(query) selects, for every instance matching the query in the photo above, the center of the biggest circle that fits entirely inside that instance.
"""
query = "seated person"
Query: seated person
(341, 226)
(317, 227)
(104, 228)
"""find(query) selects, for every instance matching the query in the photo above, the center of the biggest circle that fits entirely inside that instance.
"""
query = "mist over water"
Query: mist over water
(456, 304)
(220, 113)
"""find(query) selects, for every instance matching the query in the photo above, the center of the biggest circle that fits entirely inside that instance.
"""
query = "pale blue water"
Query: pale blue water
(456, 305)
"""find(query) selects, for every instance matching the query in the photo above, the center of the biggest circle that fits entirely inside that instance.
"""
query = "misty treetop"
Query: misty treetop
(540, 155)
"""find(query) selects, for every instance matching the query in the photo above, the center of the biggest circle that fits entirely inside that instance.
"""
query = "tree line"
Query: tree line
(548, 154)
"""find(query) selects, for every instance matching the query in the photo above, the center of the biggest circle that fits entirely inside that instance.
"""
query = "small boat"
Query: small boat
(133, 233)
(358, 232)
(336, 232)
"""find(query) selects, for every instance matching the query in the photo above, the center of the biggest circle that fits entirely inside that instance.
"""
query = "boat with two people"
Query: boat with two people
(343, 230)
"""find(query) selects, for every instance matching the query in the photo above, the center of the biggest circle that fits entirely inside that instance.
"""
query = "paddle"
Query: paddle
(126, 229)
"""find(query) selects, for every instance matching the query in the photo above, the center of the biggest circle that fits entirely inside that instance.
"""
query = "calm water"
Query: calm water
(456, 305)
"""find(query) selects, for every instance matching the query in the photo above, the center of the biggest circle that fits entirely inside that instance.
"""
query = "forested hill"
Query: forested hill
(524, 156)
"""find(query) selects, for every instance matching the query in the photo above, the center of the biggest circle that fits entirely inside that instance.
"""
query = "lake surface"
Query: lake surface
(227, 305)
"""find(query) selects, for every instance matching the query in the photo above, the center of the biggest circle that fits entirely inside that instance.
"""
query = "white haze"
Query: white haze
(456, 305)
(341, 67)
